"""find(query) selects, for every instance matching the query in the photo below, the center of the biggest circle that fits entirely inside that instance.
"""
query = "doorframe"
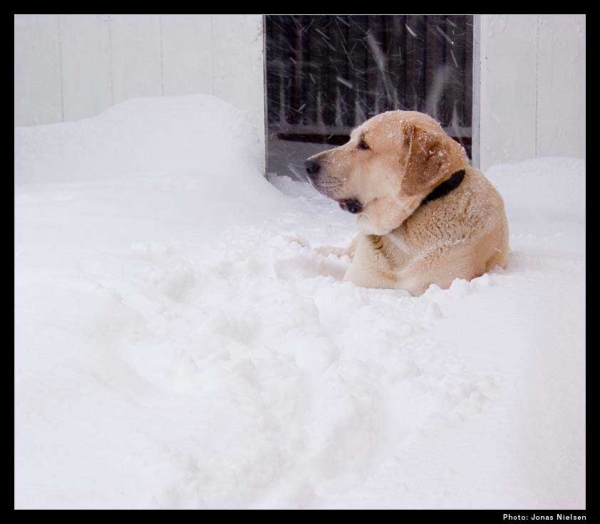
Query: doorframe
(475, 113)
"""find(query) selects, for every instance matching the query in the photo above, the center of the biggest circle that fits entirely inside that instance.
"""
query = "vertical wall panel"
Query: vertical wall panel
(238, 65)
(508, 57)
(471, 48)
(136, 56)
(38, 97)
(187, 54)
(561, 87)
(476, 79)
(86, 71)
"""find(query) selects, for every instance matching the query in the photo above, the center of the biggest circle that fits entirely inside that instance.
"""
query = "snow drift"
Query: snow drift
(176, 348)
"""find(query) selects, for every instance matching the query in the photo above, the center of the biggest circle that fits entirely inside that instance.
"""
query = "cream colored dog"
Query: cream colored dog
(425, 215)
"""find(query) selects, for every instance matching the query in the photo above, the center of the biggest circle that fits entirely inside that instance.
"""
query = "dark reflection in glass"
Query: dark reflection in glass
(327, 74)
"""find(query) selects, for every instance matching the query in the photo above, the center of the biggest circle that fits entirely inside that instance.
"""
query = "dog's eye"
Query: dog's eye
(363, 145)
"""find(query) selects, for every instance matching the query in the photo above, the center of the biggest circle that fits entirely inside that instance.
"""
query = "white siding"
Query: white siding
(136, 56)
(508, 87)
(561, 86)
(86, 68)
(38, 88)
(531, 87)
(75, 66)
(530, 76)
(238, 67)
(187, 54)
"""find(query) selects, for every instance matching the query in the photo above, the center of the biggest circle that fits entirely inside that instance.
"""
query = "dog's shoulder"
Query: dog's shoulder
(469, 209)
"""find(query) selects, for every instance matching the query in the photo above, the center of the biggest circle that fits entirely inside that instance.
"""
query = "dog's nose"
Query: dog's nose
(312, 168)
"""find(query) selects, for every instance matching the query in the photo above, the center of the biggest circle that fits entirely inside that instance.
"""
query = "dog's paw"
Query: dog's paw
(301, 241)
(326, 251)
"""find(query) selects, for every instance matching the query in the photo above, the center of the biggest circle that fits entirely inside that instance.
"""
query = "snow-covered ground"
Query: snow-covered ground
(175, 348)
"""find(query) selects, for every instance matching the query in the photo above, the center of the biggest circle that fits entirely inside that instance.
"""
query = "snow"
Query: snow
(178, 346)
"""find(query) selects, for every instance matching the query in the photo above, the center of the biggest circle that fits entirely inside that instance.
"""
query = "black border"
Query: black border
(440, 515)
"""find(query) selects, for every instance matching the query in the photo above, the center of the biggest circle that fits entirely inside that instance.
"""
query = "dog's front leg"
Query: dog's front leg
(339, 251)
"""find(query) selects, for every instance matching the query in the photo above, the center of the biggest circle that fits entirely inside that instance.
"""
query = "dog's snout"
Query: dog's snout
(312, 168)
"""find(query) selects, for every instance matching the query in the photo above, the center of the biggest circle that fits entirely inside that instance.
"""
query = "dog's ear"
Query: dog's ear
(430, 159)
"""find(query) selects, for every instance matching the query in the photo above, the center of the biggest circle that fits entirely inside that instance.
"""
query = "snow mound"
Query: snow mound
(179, 346)
(545, 189)
(140, 137)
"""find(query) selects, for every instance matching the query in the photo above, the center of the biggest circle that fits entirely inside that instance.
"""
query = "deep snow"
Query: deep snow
(176, 348)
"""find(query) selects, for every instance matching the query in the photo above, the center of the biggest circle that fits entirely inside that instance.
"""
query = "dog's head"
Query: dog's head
(391, 162)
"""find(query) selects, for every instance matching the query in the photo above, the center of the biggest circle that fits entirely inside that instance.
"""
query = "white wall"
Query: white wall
(74, 66)
(529, 72)
(531, 87)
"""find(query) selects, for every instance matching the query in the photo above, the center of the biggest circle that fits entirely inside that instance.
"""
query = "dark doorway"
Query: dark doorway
(327, 74)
